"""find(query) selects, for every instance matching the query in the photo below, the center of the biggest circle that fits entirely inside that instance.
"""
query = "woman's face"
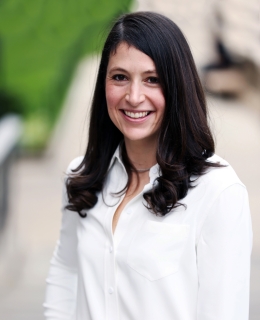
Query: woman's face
(134, 95)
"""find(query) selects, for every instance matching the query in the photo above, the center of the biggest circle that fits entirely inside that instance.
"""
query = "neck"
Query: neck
(142, 154)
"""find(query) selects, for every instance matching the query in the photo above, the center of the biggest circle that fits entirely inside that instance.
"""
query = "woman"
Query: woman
(155, 225)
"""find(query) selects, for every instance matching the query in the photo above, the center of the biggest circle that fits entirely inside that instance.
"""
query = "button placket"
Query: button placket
(111, 290)
(110, 281)
(122, 226)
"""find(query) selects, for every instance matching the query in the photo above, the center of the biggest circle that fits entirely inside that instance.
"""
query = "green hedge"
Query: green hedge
(41, 42)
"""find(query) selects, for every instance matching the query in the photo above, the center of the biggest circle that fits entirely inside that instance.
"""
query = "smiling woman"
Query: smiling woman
(155, 225)
(134, 96)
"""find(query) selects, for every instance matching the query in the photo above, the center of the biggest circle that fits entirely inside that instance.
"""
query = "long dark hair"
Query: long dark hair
(185, 140)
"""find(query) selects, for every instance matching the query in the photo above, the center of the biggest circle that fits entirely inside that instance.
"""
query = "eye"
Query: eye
(119, 77)
(153, 80)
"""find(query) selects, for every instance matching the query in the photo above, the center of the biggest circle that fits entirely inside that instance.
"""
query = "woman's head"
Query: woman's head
(134, 96)
(160, 39)
(184, 138)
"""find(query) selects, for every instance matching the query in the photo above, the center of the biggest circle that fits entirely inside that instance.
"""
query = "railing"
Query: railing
(10, 132)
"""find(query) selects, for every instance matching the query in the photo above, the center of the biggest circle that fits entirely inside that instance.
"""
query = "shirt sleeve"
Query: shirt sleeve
(223, 258)
(61, 291)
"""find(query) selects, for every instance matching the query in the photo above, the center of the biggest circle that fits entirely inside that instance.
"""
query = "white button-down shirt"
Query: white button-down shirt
(192, 264)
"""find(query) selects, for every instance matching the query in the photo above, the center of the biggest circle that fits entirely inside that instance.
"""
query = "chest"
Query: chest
(141, 243)
(133, 191)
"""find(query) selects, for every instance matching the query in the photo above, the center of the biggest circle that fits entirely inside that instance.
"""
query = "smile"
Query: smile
(136, 115)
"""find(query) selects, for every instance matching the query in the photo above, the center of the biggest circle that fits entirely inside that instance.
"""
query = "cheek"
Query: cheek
(112, 96)
(112, 100)
(159, 102)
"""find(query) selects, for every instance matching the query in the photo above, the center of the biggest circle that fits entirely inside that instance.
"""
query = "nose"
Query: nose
(135, 95)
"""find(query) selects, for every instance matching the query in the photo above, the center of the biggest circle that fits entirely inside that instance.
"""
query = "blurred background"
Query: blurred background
(49, 54)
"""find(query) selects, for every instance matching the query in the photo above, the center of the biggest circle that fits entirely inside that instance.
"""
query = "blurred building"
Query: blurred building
(224, 36)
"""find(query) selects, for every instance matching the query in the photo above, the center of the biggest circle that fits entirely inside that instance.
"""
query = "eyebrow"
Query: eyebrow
(116, 69)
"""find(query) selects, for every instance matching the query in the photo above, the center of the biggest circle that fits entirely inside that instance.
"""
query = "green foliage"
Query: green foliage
(41, 42)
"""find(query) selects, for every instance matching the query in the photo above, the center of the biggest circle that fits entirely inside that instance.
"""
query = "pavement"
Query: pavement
(35, 199)
(32, 229)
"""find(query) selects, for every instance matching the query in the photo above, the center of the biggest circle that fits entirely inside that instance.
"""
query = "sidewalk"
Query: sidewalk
(35, 200)
(36, 192)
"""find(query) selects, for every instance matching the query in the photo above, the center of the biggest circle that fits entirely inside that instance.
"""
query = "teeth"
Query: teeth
(136, 115)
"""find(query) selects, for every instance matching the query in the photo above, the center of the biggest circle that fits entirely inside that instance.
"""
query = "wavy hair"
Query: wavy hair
(184, 141)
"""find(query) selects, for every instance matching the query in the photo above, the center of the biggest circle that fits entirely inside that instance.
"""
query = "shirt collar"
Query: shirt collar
(154, 171)
(117, 156)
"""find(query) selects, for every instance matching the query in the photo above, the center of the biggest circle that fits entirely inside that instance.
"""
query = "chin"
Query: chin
(139, 138)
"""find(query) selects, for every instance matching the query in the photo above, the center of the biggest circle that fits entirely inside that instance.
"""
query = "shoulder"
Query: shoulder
(220, 195)
(74, 164)
(224, 176)
(216, 180)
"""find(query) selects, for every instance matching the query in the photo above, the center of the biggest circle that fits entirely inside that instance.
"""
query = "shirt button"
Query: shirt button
(110, 249)
(129, 212)
(111, 290)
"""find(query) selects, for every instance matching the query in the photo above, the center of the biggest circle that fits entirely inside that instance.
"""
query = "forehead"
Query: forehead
(126, 55)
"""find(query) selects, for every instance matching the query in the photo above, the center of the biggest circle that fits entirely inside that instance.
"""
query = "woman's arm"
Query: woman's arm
(60, 300)
(223, 258)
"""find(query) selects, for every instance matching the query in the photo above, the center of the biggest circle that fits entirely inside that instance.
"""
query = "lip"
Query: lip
(136, 120)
